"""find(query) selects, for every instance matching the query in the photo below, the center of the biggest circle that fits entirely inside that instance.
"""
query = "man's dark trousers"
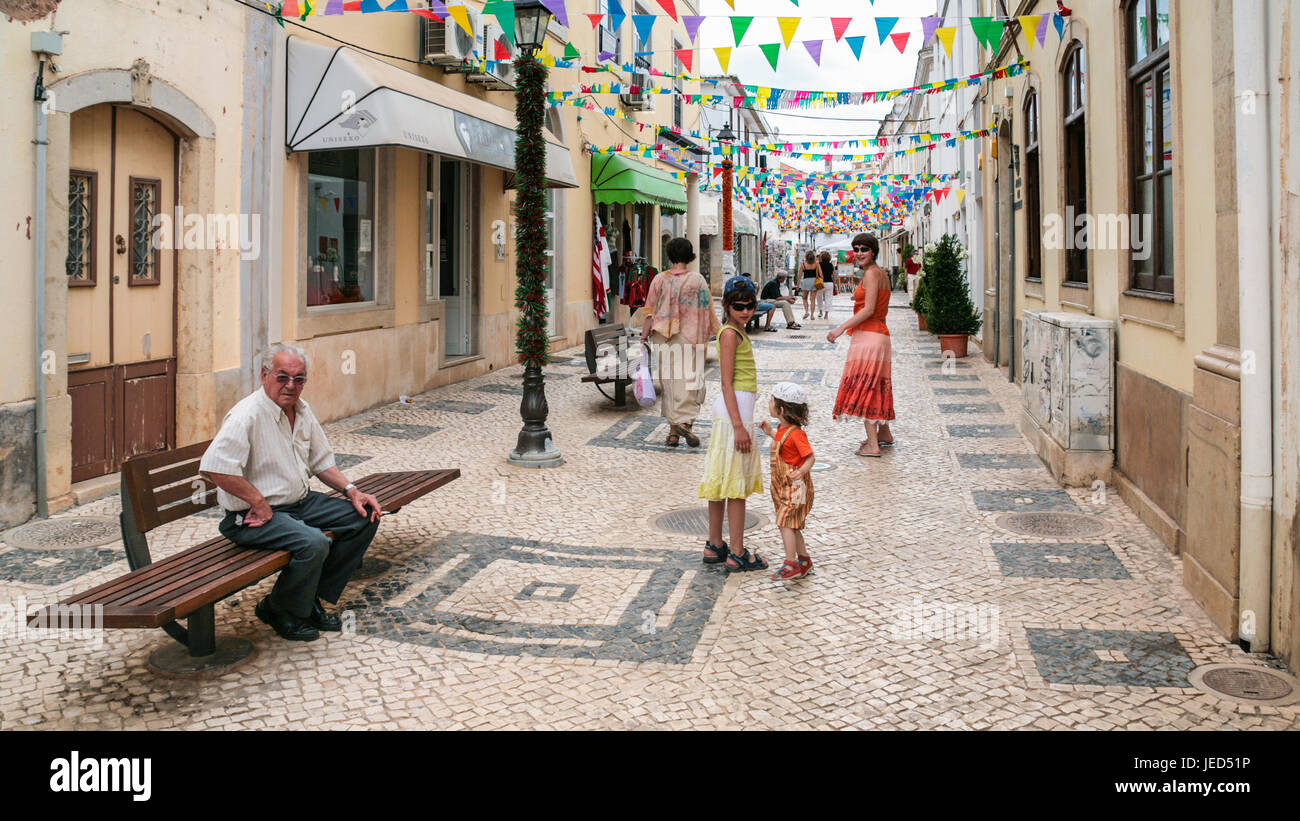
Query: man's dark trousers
(317, 568)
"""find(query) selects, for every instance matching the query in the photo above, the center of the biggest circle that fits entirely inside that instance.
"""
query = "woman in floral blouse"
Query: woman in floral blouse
(679, 322)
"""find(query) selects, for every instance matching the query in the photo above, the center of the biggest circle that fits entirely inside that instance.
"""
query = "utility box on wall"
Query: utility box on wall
(1067, 383)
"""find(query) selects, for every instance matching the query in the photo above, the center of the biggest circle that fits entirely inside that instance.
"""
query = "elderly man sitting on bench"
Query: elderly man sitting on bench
(269, 446)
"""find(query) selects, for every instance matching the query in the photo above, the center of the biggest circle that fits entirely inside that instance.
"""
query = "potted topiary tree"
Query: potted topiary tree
(921, 302)
(951, 313)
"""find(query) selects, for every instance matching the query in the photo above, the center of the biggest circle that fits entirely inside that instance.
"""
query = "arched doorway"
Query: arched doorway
(121, 309)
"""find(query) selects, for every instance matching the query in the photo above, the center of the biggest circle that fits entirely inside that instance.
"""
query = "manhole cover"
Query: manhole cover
(64, 534)
(695, 521)
(1245, 684)
(1051, 524)
(822, 464)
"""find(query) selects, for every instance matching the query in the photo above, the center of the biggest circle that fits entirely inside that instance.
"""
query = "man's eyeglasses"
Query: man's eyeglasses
(285, 379)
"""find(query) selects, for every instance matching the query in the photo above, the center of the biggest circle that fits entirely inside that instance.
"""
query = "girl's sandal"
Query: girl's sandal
(789, 570)
(805, 566)
(714, 554)
(745, 562)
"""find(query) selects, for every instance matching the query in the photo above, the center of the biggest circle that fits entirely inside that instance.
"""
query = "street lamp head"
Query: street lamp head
(531, 20)
(725, 132)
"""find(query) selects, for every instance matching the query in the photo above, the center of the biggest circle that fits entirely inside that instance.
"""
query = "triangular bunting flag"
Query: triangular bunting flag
(855, 43)
(1029, 25)
(1059, 22)
(557, 8)
(724, 57)
(692, 22)
(928, 25)
(571, 52)
(504, 11)
(670, 7)
(460, 15)
(900, 40)
(739, 25)
(884, 25)
(595, 19)
(644, 24)
(400, 5)
(1042, 28)
(961, 196)
(686, 56)
(333, 7)
(839, 25)
(772, 51)
(945, 37)
(988, 31)
(814, 50)
(500, 51)
(372, 6)
(289, 9)
(616, 15)
(788, 26)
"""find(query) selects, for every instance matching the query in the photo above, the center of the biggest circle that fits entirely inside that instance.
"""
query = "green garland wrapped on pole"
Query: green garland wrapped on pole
(531, 241)
(534, 447)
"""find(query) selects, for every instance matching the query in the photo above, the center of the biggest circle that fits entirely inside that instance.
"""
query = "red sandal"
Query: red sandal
(805, 564)
(789, 570)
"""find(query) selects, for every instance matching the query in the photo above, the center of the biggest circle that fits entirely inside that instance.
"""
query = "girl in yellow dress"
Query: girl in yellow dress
(733, 469)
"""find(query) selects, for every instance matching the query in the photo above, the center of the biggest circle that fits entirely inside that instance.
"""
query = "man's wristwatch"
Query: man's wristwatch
(349, 487)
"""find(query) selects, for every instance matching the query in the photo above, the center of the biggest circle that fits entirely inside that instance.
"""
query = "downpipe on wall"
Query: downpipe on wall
(1250, 37)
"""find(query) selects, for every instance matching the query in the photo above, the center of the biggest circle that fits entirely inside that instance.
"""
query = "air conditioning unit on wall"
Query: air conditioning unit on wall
(641, 100)
(446, 44)
(498, 75)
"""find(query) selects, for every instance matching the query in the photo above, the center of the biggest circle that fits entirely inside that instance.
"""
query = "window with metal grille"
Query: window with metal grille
(611, 39)
(81, 228)
(1150, 127)
(144, 251)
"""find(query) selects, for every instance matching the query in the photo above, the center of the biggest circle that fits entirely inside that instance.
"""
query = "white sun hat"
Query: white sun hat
(790, 392)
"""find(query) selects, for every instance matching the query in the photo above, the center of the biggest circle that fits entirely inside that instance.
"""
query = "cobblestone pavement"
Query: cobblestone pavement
(515, 598)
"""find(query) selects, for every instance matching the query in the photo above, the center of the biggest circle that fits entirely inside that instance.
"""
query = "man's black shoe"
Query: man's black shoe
(286, 625)
(324, 621)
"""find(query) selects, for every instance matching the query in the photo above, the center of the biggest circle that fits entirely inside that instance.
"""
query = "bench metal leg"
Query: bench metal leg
(201, 651)
(620, 394)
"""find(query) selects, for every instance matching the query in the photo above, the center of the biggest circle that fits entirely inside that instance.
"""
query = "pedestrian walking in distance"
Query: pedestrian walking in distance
(866, 387)
(792, 487)
(808, 273)
(733, 470)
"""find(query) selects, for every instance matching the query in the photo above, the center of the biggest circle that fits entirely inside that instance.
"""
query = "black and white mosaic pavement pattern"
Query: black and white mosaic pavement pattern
(513, 597)
(459, 406)
(999, 461)
(1023, 499)
(343, 461)
(397, 430)
(54, 567)
(650, 433)
(970, 407)
(1058, 561)
(1108, 658)
(952, 377)
(961, 392)
(984, 431)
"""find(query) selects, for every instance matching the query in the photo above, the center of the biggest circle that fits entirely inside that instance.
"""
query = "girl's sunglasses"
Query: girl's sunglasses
(744, 306)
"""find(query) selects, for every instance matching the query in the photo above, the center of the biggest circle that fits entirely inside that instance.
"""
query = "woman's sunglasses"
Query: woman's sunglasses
(861, 249)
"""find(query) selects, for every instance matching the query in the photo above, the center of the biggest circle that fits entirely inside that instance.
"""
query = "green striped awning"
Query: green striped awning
(617, 179)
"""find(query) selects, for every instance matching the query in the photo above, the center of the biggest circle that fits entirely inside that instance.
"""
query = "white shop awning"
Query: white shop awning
(338, 97)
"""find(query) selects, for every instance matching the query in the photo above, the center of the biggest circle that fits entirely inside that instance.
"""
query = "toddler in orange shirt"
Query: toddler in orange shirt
(792, 487)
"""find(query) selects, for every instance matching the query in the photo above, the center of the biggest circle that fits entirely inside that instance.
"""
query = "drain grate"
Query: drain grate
(64, 534)
(1053, 524)
(1245, 684)
(695, 521)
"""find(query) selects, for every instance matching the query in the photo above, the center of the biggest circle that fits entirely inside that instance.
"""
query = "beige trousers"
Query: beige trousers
(678, 367)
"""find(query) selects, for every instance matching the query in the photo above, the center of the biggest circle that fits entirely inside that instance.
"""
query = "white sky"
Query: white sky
(881, 67)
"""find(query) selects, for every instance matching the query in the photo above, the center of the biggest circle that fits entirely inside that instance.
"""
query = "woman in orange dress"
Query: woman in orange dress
(866, 390)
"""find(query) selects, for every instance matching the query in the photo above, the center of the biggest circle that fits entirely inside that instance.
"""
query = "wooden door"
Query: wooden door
(121, 287)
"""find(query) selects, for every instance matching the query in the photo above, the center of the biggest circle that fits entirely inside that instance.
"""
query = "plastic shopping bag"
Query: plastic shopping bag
(645, 386)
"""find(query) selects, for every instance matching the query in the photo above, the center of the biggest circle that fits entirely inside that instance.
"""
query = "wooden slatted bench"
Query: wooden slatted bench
(601, 346)
(160, 488)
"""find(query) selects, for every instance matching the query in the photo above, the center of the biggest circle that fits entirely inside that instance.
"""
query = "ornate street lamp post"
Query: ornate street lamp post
(728, 239)
(534, 448)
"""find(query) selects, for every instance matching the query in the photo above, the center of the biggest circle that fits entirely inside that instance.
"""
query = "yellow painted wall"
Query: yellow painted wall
(1164, 355)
